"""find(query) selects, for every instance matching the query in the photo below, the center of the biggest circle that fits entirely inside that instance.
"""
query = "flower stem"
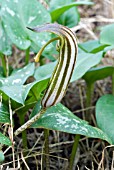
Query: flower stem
(4, 64)
(24, 134)
(73, 153)
(89, 92)
(45, 160)
(113, 83)
(27, 57)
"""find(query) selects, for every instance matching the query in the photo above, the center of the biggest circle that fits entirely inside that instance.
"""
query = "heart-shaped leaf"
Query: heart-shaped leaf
(17, 15)
(60, 118)
(105, 115)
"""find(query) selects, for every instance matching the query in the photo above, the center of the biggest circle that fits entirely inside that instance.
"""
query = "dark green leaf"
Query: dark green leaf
(39, 87)
(4, 114)
(109, 48)
(17, 15)
(24, 109)
(105, 115)
(92, 46)
(107, 35)
(69, 18)
(98, 73)
(61, 119)
(60, 10)
(4, 140)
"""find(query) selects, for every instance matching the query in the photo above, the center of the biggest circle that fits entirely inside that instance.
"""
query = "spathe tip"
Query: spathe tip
(32, 29)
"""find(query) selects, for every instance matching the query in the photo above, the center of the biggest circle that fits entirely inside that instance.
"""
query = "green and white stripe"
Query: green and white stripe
(63, 71)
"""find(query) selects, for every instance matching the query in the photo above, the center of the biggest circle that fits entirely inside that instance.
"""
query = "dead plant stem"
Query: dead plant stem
(11, 133)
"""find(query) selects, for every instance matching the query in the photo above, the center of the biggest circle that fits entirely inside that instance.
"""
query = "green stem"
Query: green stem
(24, 134)
(45, 161)
(42, 62)
(89, 92)
(113, 83)
(37, 57)
(4, 65)
(74, 150)
(27, 57)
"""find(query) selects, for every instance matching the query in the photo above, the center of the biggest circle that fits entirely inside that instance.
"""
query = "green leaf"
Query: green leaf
(60, 10)
(98, 73)
(18, 77)
(61, 119)
(17, 15)
(105, 115)
(69, 18)
(4, 114)
(41, 74)
(109, 48)
(38, 87)
(84, 62)
(13, 87)
(2, 158)
(107, 35)
(92, 46)
(16, 92)
(19, 92)
(4, 140)
(5, 43)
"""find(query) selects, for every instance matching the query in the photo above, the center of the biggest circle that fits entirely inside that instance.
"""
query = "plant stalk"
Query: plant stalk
(74, 150)
(27, 57)
(113, 83)
(5, 65)
(89, 92)
(45, 161)
(24, 134)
